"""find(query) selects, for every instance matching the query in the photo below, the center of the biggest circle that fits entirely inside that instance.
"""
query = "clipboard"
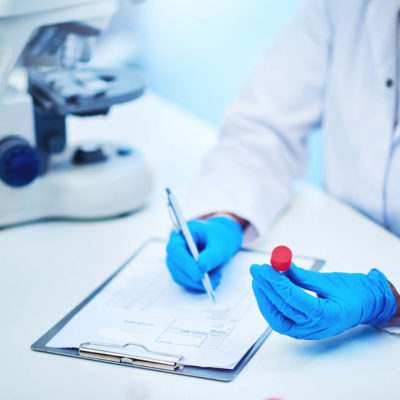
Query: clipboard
(137, 355)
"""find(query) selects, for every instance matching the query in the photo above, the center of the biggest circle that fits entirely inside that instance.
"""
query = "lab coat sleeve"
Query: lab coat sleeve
(393, 326)
(262, 145)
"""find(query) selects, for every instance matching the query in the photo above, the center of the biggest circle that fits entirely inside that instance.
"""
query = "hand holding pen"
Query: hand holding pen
(218, 239)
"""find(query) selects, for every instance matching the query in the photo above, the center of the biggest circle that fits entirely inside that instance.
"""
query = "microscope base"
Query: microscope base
(75, 187)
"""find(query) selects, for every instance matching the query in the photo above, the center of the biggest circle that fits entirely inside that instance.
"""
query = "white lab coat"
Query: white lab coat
(335, 66)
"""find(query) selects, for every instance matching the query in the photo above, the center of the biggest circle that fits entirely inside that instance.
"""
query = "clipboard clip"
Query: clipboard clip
(131, 354)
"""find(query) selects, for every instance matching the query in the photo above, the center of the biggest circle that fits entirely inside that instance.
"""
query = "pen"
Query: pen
(181, 226)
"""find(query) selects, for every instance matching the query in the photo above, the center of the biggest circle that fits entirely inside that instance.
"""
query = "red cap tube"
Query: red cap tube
(281, 258)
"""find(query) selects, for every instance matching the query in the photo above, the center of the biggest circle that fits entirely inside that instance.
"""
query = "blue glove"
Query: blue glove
(344, 300)
(218, 239)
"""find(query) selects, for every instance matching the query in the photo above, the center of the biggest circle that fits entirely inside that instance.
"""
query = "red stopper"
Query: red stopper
(281, 258)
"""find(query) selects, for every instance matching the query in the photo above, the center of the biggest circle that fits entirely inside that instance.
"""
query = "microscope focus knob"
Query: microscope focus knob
(19, 161)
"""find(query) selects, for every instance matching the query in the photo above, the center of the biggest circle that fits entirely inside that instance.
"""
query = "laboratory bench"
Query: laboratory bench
(47, 268)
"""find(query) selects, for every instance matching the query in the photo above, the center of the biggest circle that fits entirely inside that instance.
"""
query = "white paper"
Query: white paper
(143, 305)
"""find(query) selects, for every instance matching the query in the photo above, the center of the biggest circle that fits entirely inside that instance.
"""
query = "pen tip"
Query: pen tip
(168, 190)
(212, 295)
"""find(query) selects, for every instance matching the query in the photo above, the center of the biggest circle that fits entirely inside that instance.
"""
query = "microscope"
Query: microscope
(41, 177)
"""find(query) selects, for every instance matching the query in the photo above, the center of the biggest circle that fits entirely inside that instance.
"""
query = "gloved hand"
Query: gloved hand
(344, 300)
(218, 239)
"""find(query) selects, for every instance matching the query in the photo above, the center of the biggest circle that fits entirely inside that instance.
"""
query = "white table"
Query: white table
(48, 268)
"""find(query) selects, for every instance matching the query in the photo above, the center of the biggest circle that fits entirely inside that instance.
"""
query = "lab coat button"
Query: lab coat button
(389, 82)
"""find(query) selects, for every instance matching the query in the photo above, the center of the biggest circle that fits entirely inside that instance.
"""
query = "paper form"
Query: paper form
(142, 304)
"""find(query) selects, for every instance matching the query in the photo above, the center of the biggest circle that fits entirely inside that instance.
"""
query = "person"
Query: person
(337, 67)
